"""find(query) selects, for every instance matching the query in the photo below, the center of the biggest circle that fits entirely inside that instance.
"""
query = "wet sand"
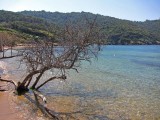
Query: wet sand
(7, 111)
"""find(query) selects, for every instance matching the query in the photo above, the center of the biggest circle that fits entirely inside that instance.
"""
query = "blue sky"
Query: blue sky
(136, 10)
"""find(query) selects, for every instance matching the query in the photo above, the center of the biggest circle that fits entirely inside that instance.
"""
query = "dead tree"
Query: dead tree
(6, 43)
(3, 37)
(77, 42)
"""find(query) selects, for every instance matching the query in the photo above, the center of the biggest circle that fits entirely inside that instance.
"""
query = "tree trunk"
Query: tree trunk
(0, 48)
(3, 50)
(21, 89)
(37, 79)
(0, 45)
(11, 51)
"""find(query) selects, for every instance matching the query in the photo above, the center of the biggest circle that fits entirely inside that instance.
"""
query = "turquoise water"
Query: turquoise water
(127, 67)
(123, 83)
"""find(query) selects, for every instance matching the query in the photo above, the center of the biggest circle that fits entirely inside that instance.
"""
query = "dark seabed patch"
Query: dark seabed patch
(146, 63)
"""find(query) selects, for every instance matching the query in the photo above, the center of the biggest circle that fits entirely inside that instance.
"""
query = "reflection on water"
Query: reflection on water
(122, 84)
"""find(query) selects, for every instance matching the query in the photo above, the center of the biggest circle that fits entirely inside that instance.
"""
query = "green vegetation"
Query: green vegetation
(25, 28)
(40, 24)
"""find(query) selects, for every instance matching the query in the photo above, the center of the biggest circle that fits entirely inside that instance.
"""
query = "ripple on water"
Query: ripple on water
(123, 84)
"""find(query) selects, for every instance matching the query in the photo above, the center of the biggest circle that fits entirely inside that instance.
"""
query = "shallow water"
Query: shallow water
(122, 84)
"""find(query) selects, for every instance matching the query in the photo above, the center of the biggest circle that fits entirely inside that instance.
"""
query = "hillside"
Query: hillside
(116, 31)
(24, 27)
(152, 26)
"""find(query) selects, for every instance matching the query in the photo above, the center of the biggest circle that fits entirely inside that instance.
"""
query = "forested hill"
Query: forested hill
(24, 27)
(117, 31)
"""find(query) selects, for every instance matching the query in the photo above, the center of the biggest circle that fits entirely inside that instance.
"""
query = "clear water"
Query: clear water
(123, 83)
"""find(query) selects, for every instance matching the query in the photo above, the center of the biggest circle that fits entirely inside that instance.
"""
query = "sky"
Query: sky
(135, 10)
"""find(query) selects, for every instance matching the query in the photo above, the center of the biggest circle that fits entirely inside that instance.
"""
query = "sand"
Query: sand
(6, 113)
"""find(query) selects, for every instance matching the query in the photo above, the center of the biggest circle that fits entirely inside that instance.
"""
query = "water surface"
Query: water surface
(124, 83)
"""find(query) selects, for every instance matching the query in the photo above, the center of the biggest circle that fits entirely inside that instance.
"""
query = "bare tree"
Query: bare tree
(7, 41)
(77, 42)
(3, 38)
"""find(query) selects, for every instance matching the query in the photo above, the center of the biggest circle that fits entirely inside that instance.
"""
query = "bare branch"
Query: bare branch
(10, 81)
(76, 42)
(50, 79)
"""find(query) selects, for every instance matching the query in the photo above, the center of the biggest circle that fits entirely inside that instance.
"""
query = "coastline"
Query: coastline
(7, 111)
(13, 107)
(134, 101)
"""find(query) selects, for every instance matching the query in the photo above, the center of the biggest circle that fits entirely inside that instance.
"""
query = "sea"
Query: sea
(122, 83)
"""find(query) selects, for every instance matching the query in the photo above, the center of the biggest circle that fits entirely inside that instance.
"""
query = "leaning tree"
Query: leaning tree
(76, 42)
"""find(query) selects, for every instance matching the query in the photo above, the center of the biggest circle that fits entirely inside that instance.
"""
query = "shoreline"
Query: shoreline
(13, 107)
(7, 111)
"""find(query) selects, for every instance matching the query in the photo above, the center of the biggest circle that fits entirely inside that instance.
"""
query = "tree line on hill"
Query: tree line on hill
(79, 35)
(28, 25)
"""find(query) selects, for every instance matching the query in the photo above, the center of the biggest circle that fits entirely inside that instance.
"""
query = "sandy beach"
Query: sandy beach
(6, 112)
(12, 107)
